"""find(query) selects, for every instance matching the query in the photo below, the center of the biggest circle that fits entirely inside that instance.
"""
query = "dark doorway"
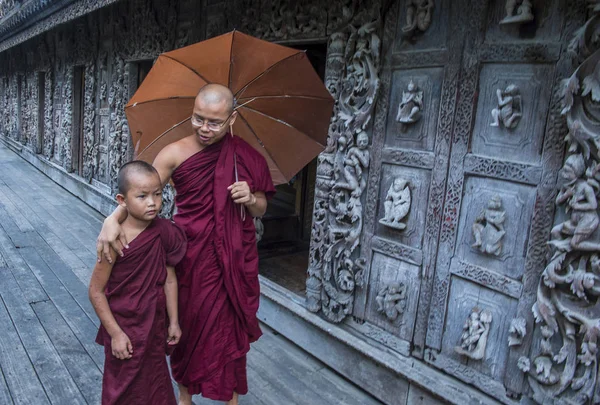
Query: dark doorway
(78, 139)
(41, 111)
(287, 224)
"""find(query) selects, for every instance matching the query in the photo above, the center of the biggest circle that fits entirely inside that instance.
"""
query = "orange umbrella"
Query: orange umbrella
(284, 107)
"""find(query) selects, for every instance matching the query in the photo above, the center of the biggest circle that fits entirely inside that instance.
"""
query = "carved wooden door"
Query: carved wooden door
(407, 176)
(468, 138)
(507, 146)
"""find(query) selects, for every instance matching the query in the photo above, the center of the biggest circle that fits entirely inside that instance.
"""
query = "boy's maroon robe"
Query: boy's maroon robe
(135, 294)
(218, 277)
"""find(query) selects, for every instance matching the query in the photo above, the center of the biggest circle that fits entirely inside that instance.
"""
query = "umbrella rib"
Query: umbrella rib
(163, 134)
(189, 67)
(159, 99)
(259, 141)
(267, 70)
(231, 59)
(284, 123)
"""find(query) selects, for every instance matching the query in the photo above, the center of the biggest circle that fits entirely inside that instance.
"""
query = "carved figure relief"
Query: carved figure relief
(509, 110)
(517, 331)
(564, 366)
(488, 228)
(418, 16)
(391, 300)
(579, 192)
(411, 106)
(397, 204)
(355, 161)
(334, 269)
(518, 12)
(475, 334)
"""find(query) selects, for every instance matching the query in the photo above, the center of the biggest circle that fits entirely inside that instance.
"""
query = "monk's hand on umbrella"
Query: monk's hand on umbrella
(174, 334)
(111, 235)
(240, 193)
(121, 346)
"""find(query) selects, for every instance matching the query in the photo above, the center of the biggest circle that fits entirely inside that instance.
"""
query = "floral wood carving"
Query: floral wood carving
(517, 331)
(564, 368)
(352, 78)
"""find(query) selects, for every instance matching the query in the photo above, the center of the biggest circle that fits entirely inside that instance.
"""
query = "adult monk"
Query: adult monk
(218, 277)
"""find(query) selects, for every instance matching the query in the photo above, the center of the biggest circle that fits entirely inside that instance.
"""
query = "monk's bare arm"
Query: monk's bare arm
(256, 203)
(121, 346)
(111, 235)
(166, 161)
(259, 207)
(172, 310)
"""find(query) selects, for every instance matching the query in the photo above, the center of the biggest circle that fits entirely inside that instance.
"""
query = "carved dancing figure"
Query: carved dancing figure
(397, 204)
(409, 110)
(488, 228)
(418, 16)
(523, 14)
(355, 161)
(509, 110)
(473, 339)
(391, 300)
(580, 195)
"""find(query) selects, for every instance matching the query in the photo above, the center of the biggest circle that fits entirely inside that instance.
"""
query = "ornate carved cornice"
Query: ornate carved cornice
(36, 17)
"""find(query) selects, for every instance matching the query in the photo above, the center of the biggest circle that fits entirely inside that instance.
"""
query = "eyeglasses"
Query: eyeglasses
(213, 126)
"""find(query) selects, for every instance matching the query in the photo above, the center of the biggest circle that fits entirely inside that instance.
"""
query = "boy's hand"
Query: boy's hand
(121, 347)
(174, 335)
(111, 235)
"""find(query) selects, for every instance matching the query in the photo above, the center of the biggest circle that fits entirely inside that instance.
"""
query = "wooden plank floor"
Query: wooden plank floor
(47, 349)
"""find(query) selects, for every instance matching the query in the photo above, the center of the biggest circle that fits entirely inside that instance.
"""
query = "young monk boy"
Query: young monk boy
(133, 296)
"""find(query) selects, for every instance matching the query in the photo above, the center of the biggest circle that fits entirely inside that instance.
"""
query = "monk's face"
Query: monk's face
(144, 196)
(211, 120)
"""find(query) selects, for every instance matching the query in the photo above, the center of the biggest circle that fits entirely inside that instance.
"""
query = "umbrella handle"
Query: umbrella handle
(242, 210)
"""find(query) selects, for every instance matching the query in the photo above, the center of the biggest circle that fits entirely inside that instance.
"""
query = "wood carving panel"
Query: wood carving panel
(417, 181)
(393, 295)
(422, 24)
(511, 112)
(494, 225)
(413, 114)
(477, 313)
(512, 21)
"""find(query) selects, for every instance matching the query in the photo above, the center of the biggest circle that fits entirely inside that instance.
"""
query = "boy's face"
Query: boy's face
(144, 197)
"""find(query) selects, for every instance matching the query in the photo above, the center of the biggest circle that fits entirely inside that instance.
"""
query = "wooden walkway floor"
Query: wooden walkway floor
(47, 349)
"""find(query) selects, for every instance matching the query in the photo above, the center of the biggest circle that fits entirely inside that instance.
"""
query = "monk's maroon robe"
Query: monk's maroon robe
(218, 277)
(135, 294)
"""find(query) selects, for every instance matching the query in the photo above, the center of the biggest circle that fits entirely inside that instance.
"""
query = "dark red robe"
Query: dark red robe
(135, 293)
(218, 277)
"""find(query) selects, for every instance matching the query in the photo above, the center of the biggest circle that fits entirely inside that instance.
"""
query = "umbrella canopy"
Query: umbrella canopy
(284, 108)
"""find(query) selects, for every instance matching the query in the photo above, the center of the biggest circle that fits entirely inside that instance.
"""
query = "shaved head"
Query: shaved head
(129, 170)
(214, 93)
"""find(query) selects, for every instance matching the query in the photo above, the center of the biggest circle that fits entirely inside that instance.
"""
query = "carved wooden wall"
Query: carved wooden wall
(107, 47)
